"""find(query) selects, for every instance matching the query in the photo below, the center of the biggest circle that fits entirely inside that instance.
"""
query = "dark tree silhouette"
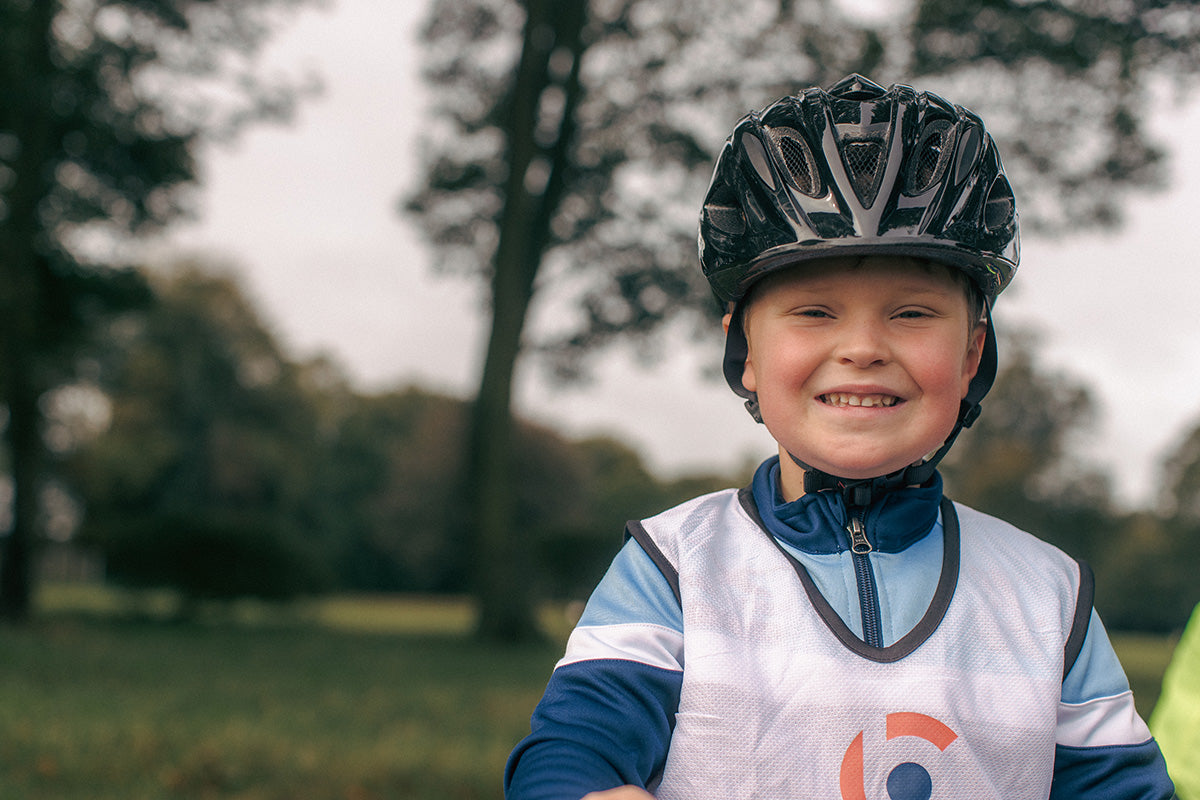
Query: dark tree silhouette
(104, 102)
(572, 143)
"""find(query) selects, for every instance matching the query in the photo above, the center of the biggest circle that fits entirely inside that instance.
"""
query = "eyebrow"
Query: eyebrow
(948, 291)
(817, 287)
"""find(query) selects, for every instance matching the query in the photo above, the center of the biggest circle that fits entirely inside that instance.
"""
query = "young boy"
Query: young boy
(839, 629)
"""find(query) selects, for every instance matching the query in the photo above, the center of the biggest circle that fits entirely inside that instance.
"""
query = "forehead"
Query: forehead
(865, 273)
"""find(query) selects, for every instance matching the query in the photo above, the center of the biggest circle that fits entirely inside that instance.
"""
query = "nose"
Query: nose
(864, 343)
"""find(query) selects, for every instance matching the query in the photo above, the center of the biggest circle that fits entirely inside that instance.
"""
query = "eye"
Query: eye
(914, 313)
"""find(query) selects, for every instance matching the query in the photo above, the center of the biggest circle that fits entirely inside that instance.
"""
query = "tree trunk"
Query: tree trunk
(24, 444)
(501, 554)
(26, 48)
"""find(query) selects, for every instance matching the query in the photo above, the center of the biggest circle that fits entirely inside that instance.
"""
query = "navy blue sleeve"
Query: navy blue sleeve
(602, 723)
(1118, 772)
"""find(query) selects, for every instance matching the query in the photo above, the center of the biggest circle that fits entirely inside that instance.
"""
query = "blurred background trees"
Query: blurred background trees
(202, 477)
(104, 102)
(151, 414)
(197, 456)
(1025, 460)
(572, 140)
(210, 463)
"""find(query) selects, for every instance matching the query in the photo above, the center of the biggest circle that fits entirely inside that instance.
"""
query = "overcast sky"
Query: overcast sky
(307, 215)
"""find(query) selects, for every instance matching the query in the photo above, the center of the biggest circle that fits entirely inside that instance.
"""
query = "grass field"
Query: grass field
(353, 699)
(349, 699)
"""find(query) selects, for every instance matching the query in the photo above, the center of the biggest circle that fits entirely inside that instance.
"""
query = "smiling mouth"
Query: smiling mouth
(845, 400)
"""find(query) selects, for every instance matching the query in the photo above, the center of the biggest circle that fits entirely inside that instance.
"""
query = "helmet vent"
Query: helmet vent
(757, 154)
(930, 156)
(863, 160)
(798, 159)
(1000, 207)
(724, 213)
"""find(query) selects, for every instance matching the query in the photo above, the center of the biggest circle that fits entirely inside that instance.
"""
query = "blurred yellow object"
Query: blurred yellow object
(1175, 722)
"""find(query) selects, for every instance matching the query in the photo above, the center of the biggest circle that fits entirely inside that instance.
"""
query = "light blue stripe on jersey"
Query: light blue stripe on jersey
(1097, 672)
(633, 591)
(608, 711)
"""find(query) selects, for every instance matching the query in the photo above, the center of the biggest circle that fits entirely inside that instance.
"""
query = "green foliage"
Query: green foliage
(1017, 461)
(226, 470)
(210, 558)
(396, 465)
(384, 488)
(1146, 574)
(1159, 558)
(391, 483)
(199, 482)
(1181, 478)
(104, 103)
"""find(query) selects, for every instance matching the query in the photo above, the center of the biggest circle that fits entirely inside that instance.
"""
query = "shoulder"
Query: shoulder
(691, 526)
(1042, 581)
(979, 530)
(692, 519)
(694, 513)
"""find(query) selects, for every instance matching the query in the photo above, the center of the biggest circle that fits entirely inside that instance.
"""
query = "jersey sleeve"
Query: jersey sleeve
(1104, 751)
(606, 717)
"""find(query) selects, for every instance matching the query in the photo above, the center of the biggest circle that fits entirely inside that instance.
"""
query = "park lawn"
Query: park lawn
(351, 699)
(103, 708)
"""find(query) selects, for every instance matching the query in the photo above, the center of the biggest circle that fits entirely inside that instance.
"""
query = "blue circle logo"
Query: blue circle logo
(909, 781)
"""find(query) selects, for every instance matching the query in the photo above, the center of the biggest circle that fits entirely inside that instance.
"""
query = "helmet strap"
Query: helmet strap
(737, 350)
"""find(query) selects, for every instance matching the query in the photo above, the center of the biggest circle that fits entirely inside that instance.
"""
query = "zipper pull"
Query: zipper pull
(858, 536)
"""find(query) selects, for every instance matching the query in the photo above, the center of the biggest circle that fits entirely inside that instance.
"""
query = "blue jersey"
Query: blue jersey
(739, 647)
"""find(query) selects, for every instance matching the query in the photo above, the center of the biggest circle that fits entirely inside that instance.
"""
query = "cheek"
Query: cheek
(782, 366)
(947, 374)
(945, 380)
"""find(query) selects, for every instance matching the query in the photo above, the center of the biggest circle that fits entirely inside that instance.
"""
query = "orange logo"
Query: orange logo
(907, 781)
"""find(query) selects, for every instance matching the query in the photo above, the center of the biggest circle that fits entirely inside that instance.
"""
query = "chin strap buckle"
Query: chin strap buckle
(752, 407)
(865, 491)
(856, 493)
(970, 413)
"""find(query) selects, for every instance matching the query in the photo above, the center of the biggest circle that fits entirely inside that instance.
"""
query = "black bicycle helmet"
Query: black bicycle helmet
(859, 170)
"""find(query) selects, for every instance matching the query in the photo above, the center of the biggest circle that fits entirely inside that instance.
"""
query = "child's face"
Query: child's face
(859, 364)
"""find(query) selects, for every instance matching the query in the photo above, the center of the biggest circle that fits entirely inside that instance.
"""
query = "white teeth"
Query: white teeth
(841, 399)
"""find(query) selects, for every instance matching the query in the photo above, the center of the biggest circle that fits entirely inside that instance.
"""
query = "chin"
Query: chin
(865, 473)
(858, 470)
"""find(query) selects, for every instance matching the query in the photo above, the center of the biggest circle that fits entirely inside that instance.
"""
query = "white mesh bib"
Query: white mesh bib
(775, 705)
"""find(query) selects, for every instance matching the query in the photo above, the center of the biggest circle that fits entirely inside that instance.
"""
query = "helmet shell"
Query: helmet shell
(858, 170)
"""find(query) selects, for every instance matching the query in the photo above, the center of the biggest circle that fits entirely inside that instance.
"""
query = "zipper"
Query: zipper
(864, 577)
